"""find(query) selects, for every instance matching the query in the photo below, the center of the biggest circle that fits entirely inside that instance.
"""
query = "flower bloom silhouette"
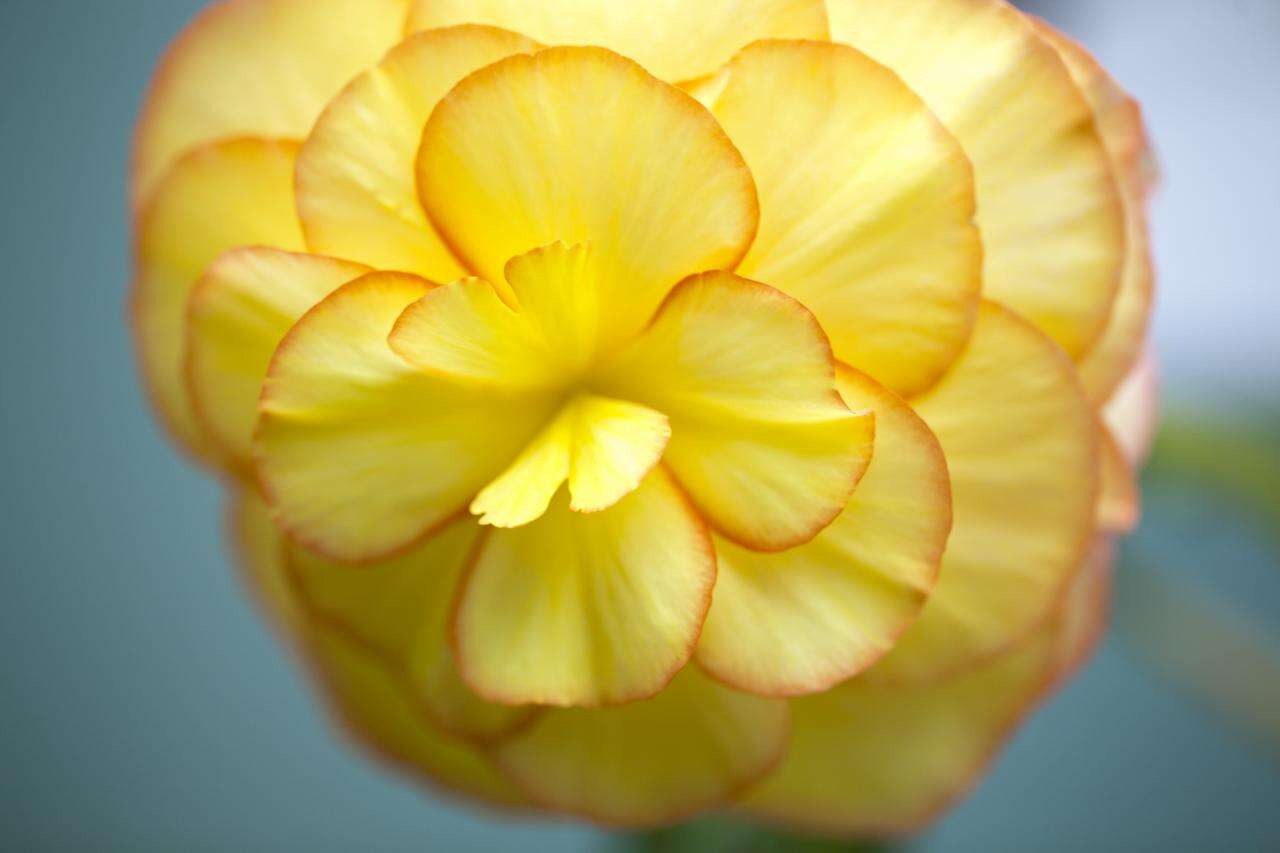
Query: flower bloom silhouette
(633, 409)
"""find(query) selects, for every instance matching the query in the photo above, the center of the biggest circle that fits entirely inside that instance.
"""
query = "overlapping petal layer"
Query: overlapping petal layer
(261, 68)
(215, 198)
(581, 145)
(587, 608)
(692, 747)
(866, 205)
(239, 310)
(802, 620)
(1119, 500)
(360, 452)
(676, 40)
(760, 438)
(356, 186)
(1048, 204)
(1020, 440)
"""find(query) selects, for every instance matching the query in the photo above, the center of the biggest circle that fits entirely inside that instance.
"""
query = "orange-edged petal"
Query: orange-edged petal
(238, 312)
(805, 619)
(399, 610)
(676, 40)
(1133, 412)
(760, 438)
(692, 747)
(587, 608)
(583, 146)
(256, 68)
(225, 195)
(359, 452)
(1082, 619)
(1119, 499)
(1048, 202)
(1021, 444)
(356, 186)
(867, 759)
(866, 205)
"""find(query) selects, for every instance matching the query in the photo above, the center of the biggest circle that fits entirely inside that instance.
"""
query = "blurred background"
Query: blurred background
(145, 707)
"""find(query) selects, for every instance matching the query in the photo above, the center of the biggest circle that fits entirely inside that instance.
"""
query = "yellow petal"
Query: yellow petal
(1119, 121)
(259, 554)
(399, 610)
(866, 205)
(587, 609)
(361, 453)
(1133, 412)
(760, 438)
(1021, 445)
(807, 618)
(256, 68)
(581, 145)
(1048, 203)
(239, 310)
(356, 194)
(675, 39)
(1119, 500)
(228, 194)
(867, 759)
(690, 748)
(1081, 620)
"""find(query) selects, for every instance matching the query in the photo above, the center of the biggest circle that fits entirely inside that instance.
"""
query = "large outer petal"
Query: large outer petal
(225, 195)
(256, 68)
(356, 186)
(359, 452)
(866, 205)
(807, 618)
(1048, 203)
(399, 610)
(676, 40)
(1120, 123)
(239, 310)
(760, 438)
(690, 748)
(587, 609)
(582, 145)
(1021, 445)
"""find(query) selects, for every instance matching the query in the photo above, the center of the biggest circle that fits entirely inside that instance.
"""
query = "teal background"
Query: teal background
(145, 707)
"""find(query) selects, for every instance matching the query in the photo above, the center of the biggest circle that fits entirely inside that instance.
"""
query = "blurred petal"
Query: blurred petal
(259, 551)
(581, 145)
(805, 619)
(866, 205)
(1048, 204)
(674, 39)
(356, 192)
(760, 439)
(359, 452)
(1119, 500)
(228, 194)
(1085, 612)
(239, 310)
(1133, 412)
(256, 68)
(587, 609)
(1021, 445)
(691, 747)
(399, 610)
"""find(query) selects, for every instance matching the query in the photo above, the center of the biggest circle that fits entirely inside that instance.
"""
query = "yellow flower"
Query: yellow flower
(632, 409)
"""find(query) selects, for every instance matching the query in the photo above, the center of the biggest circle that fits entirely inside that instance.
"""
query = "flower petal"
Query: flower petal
(581, 145)
(239, 310)
(1119, 120)
(872, 759)
(866, 205)
(676, 40)
(1133, 412)
(690, 748)
(1081, 621)
(1048, 204)
(356, 192)
(1119, 499)
(256, 68)
(587, 609)
(760, 438)
(258, 549)
(361, 453)
(399, 610)
(228, 194)
(1021, 445)
(805, 619)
